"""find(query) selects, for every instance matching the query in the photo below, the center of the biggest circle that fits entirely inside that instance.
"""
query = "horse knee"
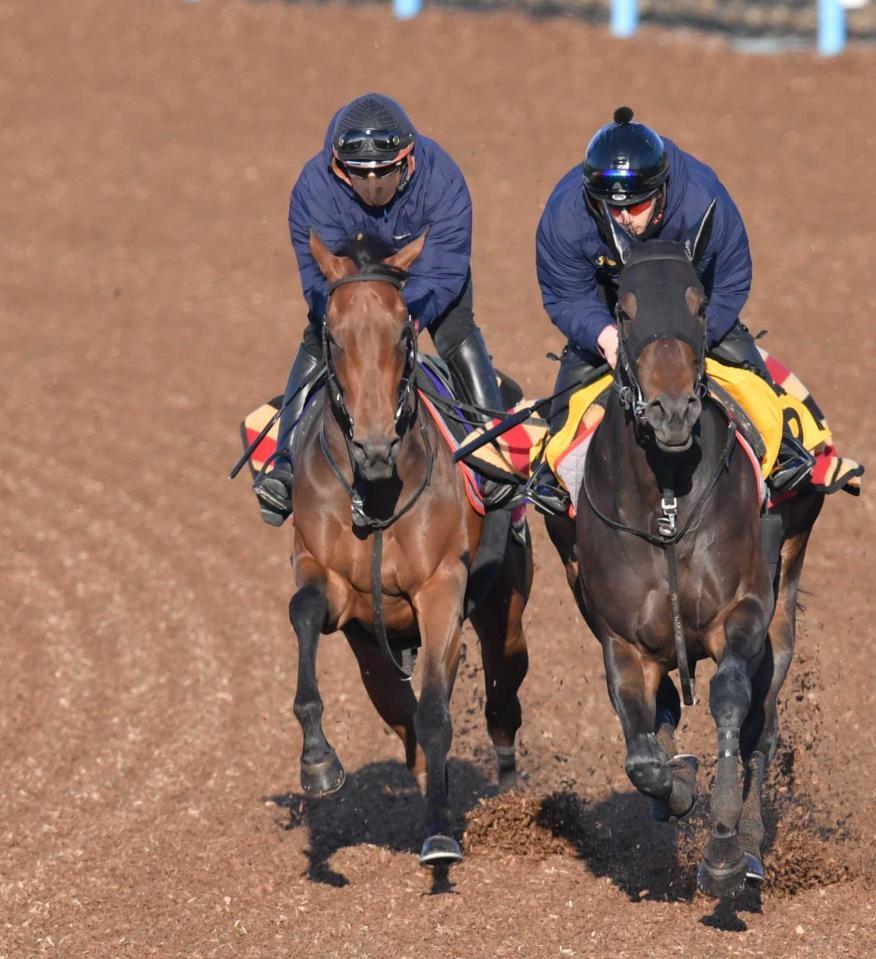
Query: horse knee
(307, 609)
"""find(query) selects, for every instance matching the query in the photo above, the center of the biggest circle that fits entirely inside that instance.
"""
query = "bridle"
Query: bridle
(631, 343)
(406, 410)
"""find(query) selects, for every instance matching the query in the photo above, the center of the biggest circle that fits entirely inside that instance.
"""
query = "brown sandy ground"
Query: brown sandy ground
(148, 757)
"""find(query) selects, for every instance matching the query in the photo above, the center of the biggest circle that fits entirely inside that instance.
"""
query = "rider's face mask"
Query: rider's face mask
(375, 186)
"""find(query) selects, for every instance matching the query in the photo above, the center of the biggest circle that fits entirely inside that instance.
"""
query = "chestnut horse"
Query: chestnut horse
(385, 541)
(668, 567)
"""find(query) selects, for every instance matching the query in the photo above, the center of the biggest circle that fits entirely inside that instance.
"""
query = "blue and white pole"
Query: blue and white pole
(624, 17)
(831, 27)
(406, 9)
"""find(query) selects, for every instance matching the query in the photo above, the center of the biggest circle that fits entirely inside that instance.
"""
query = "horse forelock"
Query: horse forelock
(368, 253)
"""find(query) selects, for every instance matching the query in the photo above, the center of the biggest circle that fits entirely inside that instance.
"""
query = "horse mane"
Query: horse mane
(368, 253)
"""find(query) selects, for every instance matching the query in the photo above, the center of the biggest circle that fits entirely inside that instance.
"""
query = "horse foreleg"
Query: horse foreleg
(730, 696)
(632, 688)
(392, 696)
(761, 729)
(439, 616)
(498, 622)
(321, 771)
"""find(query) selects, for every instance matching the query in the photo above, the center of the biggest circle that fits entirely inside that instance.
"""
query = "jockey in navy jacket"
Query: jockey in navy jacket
(377, 176)
(650, 188)
(433, 197)
(571, 253)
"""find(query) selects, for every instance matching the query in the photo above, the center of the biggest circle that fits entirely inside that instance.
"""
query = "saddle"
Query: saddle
(504, 461)
(759, 412)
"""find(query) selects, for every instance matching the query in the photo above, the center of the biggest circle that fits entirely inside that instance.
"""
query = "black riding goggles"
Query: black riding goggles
(354, 140)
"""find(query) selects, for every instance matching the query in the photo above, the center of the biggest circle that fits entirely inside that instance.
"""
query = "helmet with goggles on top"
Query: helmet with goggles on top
(625, 173)
(372, 132)
(625, 163)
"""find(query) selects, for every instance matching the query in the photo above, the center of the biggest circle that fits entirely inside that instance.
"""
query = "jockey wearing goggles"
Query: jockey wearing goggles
(649, 187)
(378, 176)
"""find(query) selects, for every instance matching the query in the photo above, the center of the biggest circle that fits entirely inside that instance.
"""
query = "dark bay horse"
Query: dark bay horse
(667, 564)
(385, 541)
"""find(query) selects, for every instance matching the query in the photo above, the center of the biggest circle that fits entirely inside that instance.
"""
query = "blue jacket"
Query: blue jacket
(569, 249)
(436, 196)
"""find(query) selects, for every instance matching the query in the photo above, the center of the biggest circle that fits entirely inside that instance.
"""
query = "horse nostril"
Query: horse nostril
(657, 410)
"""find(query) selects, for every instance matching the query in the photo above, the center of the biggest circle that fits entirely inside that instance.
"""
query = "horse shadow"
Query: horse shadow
(379, 805)
(618, 840)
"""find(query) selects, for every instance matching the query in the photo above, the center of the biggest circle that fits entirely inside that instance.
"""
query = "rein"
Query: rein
(406, 415)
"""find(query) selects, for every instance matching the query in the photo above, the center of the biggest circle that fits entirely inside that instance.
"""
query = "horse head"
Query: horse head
(370, 348)
(661, 313)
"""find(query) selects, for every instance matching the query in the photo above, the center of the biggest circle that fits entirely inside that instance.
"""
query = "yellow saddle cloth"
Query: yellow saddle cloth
(768, 411)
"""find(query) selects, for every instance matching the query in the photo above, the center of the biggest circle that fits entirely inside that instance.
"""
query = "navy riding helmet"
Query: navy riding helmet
(625, 163)
(372, 131)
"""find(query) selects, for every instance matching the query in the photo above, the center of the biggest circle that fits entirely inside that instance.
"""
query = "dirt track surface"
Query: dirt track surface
(148, 757)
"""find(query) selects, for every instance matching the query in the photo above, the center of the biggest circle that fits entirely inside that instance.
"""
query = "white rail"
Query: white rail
(625, 20)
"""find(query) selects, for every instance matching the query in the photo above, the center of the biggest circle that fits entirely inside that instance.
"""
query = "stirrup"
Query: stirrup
(793, 464)
(274, 492)
(544, 491)
(499, 495)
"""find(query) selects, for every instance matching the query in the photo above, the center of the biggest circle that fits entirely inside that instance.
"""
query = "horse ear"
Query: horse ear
(332, 267)
(403, 259)
(694, 297)
(617, 235)
(698, 239)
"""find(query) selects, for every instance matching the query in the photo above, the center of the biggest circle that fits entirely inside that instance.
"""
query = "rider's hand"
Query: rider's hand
(607, 343)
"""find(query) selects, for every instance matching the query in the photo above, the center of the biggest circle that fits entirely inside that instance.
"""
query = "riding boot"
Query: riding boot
(475, 378)
(274, 489)
(546, 492)
(794, 462)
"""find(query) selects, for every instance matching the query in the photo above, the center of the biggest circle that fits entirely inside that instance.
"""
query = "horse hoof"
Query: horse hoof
(684, 790)
(721, 883)
(322, 779)
(440, 851)
(753, 869)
